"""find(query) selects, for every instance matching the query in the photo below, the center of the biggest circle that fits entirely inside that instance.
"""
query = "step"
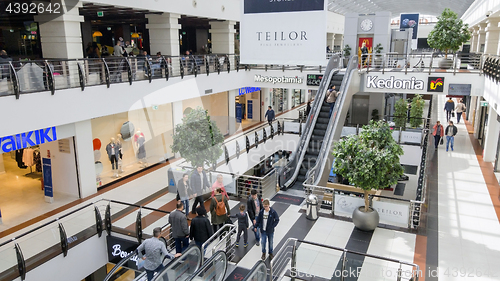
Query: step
(321, 126)
(301, 179)
(324, 114)
(319, 132)
(317, 138)
(321, 120)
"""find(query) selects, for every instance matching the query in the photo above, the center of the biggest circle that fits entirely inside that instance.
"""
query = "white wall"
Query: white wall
(335, 23)
(424, 30)
(64, 178)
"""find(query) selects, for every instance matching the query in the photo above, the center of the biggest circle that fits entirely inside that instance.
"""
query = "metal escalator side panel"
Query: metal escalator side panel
(257, 273)
(213, 269)
(120, 264)
(181, 268)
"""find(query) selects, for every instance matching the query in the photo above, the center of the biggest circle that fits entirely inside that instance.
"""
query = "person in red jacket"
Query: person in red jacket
(438, 133)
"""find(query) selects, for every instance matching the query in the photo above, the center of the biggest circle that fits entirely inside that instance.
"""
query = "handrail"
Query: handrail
(259, 266)
(215, 236)
(120, 264)
(208, 263)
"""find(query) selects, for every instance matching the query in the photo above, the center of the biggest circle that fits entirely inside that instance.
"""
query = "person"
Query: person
(219, 183)
(180, 229)
(154, 248)
(438, 133)
(328, 49)
(200, 227)
(364, 54)
(157, 63)
(448, 107)
(95, 54)
(242, 217)
(450, 132)
(270, 115)
(118, 50)
(267, 220)
(217, 211)
(199, 182)
(331, 98)
(184, 191)
(4, 64)
(459, 109)
(308, 108)
(254, 205)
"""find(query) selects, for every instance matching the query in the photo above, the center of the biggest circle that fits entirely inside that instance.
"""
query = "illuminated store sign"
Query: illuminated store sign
(282, 79)
(393, 83)
(27, 139)
(247, 90)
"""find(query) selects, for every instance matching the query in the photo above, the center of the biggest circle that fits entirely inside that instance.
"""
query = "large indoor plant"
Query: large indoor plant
(400, 113)
(416, 111)
(448, 35)
(377, 60)
(369, 161)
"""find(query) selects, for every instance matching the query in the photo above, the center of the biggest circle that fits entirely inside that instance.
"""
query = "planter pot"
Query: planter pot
(346, 61)
(445, 63)
(365, 221)
(377, 61)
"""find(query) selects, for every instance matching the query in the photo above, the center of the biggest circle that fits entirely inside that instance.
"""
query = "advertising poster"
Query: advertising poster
(239, 113)
(410, 21)
(47, 180)
(365, 59)
(283, 32)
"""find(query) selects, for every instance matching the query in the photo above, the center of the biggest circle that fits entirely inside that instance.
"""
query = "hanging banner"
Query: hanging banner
(239, 113)
(283, 32)
(47, 180)
(364, 59)
(410, 21)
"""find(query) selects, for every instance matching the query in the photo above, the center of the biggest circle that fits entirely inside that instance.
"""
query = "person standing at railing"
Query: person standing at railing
(219, 183)
(438, 133)
(154, 249)
(199, 182)
(254, 205)
(448, 107)
(219, 210)
(364, 54)
(267, 220)
(179, 228)
(459, 109)
(201, 230)
(270, 115)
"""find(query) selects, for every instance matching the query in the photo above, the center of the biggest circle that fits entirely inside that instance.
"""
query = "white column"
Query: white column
(339, 40)
(290, 99)
(231, 100)
(491, 138)
(61, 37)
(164, 33)
(473, 40)
(481, 37)
(330, 40)
(222, 36)
(85, 158)
(492, 35)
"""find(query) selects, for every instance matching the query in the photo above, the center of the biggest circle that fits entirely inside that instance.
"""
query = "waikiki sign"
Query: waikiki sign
(394, 83)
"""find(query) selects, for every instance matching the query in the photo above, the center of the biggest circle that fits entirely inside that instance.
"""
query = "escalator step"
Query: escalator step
(317, 138)
(321, 126)
(324, 114)
(322, 120)
(319, 132)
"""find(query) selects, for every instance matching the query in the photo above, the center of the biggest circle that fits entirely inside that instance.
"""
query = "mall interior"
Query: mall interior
(109, 90)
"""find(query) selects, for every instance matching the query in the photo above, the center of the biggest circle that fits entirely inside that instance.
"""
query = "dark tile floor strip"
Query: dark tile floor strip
(359, 242)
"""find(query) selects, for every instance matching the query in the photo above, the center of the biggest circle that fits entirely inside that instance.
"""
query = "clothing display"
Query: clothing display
(140, 140)
(19, 159)
(37, 158)
(113, 152)
(28, 157)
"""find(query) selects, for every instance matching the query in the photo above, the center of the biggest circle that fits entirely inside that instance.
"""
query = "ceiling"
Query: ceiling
(396, 7)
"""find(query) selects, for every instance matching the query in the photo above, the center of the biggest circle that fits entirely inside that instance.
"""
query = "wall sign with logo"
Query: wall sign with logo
(24, 140)
(314, 79)
(394, 83)
(282, 79)
(119, 248)
(392, 213)
(239, 113)
(410, 21)
(250, 109)
(345, 204)
(435, 84)
(247, 90)
(459, 89)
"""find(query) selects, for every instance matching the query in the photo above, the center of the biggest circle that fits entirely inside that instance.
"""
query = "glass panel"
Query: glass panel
(94, 72)
(8, 262)
(153, 219)
(31, 75)
(183, 267)
(77, 223)
(258, 273)
(45, 241)
(213, 270)
(5, 80)
(374, 270)
(123, 217)
(314, 261)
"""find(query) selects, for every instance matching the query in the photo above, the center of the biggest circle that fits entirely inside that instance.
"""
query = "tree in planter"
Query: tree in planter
(198, 139)
(416, 111)
(400, 113)
(347, 51)
(449, 33)
(369, 160)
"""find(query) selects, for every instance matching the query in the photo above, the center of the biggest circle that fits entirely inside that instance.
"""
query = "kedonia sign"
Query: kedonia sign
(394, 83)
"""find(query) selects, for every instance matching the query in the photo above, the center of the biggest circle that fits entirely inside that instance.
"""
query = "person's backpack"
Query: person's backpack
(220, 209)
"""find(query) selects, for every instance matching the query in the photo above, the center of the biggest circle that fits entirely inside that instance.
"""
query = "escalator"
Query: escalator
(257, 273)
(312, 155)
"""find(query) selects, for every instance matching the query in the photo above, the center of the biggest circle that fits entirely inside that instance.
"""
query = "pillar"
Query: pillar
(338, 42)
(290, 99)
(164, 33)
(491, 138)
(481, 37)
(492, 35)
(222, 36)
(85, 158)
(61, 37)
(473, 40)
(330, 40)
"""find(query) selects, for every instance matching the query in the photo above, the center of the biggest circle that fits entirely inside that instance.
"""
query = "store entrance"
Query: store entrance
(248, 109)
(22, 195)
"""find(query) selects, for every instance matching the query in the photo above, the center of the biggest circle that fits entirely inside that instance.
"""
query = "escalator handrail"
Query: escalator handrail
(120, 264)
(256, 266)
(331, 69)
(207, 264)
(328, 139)
(160, 273)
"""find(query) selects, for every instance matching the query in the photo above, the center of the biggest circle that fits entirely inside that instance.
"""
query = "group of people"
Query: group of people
(451, 130)
(263, 220)
(451, 109)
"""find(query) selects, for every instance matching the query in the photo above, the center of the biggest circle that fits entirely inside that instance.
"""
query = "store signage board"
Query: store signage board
(345, 204)
(459, 89)
(271, 34)
(250, 109)
(373, 81)
(64, 146)
(392, 213)
(47, 180)
(314, 79)
(27, 139)
(119, 248)
(247, 90)
(239, 113)
(278, 79)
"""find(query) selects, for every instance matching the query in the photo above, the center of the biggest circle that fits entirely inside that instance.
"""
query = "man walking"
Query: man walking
(154, 248)
(199, 182)
(267, 220)
(269, 115)
(254, 205)
(201, 229)
(438, 133)
(459, 109)
(179, 228)
(450, 133)
(448, 107)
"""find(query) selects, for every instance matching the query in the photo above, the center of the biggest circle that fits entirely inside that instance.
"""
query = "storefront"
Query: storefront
(279, 98)
(248, 107)
(298, 97)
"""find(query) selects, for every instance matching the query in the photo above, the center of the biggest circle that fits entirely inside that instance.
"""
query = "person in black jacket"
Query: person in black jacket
(242, 226)
(267, 220)
(201, 229)
(450, 133)
(254, 205)
(199, 182)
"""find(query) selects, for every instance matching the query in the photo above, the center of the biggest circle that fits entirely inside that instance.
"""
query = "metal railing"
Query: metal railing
(265, 186)
(213, 269)
(182, 267)
(222, 240)
(287, 263)
(258, 272)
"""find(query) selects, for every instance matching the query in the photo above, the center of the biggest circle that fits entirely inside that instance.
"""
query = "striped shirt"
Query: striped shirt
(154, 249)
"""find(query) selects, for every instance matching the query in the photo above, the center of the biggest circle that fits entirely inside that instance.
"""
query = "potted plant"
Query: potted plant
(416, 111)
(375, 116)
(377, 60)
(369, 161)
(400, 113)
(347, 54)
(448, 35)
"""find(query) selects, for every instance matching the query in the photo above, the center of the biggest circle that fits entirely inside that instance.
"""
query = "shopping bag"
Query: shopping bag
(441, 141)
(453, 114)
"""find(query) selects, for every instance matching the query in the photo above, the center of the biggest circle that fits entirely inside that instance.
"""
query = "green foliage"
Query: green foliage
(378, 48)
(375, 116)
(369, 160)
(400, 111)
(449, 33)
(347, 50)
(417, 111)
(198, 139)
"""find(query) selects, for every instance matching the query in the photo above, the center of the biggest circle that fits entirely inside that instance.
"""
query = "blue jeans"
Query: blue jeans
(199, 244)
(151, 273)
(331, 109)
(459, 114)
(186, 206)
(448, 140)
(257, 233)
(267, 237)
(181, 244)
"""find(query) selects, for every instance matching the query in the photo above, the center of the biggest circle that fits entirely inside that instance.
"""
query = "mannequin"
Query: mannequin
(119, 144)
(113, 152)
(139, 141)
